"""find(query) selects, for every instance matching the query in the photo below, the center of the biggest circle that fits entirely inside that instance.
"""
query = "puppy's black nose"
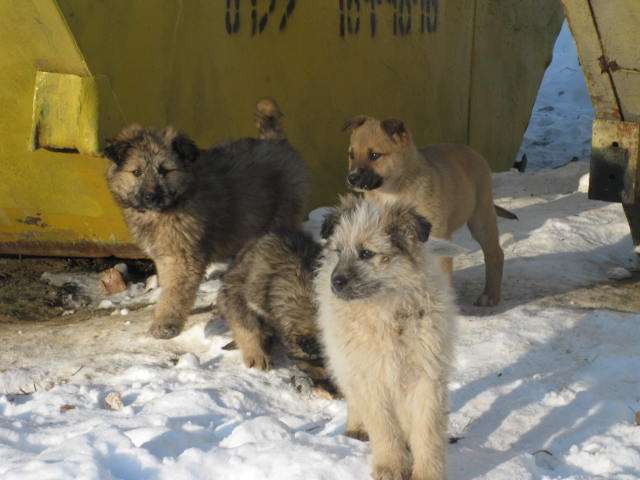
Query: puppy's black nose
(353, 178)
(338, 282)
(150, 196)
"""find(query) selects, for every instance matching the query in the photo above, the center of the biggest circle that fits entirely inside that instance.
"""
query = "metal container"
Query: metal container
(75, 71)
(607, 35)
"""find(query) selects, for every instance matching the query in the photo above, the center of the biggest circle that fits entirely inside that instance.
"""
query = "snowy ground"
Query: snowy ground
(540, 388)
(560, 126)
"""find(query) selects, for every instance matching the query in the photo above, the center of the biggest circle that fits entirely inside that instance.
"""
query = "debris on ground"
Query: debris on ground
(113, 401)
(113, 281)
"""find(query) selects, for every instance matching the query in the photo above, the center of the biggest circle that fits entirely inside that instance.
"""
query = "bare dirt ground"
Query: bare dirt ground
(616, 295)
(26, 297)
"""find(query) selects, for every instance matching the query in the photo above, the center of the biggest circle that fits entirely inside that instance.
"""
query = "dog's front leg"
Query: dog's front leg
(428, 422)
(179, 279)
(390, 459)
(355, 425)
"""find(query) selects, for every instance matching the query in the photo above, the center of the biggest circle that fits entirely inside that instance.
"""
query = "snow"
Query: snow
(541, 389)
(560, 127)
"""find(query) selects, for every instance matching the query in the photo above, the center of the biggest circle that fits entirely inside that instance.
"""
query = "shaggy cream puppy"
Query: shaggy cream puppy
(386, 315)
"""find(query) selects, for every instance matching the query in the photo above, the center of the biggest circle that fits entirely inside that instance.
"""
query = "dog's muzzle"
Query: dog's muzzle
(364, 179)
(347, 287)
(338, 283)
(154, 200)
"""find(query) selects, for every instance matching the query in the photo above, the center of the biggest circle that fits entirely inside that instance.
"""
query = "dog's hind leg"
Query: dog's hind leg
(247, 329)
(179, 279)
(484, 229)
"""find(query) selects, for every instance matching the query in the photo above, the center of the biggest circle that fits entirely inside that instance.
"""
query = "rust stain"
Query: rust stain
(608, 66)
(609, 136)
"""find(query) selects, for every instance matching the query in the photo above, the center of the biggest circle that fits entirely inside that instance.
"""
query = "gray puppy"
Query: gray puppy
(268, 296)
(186, 207)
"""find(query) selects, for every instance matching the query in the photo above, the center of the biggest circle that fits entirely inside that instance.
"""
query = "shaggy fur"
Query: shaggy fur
(386, 314)
(268, 295)
(186, 207)
(448, 184)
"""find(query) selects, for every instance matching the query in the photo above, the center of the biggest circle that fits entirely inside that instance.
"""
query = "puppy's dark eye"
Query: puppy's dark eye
(373, 156)
(351, 155)
(365, 254)
(164, 170)
(137, 172)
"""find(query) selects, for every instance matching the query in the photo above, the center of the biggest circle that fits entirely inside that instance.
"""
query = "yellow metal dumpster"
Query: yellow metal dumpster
(75, 71)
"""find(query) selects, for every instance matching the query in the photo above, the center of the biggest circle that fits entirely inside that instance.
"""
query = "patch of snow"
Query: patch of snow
(188, 360)
(619, 273)
(583, 185)
(559, 130)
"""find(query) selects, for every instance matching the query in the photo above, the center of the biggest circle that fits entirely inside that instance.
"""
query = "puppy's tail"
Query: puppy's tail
(269, 120)
(504, 213)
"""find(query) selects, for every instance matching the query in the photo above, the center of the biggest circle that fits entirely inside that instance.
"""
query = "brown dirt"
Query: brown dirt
(25, 297)
(618, 295)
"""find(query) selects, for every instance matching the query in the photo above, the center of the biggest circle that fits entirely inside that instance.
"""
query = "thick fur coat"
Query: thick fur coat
(186, 207)
(386, 316)
(268, 296)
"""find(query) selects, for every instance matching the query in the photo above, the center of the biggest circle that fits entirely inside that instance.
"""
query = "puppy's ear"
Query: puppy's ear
(353, 123)
(407, 227)
(329, 223)
(394, 129)
(117, 148)
(423, 228)
(348, 203)
(182, 145)
(185, 148)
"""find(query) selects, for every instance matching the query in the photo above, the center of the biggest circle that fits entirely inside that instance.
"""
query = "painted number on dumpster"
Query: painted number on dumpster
(406, 16)
(355, 16)
(263, 13)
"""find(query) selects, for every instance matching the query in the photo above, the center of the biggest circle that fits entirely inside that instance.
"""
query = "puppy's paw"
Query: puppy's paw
(358, 435)
(257, 359)
(423, 476)
(388, 473)
(486, 300)
(165, 330)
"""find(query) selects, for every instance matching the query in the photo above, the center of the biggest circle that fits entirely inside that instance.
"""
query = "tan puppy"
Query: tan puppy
(448, 184)
(385, 315)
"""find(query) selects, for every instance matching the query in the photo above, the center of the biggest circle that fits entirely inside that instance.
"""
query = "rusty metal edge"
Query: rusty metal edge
(76, 249)
(604, 60)
(584, 28)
